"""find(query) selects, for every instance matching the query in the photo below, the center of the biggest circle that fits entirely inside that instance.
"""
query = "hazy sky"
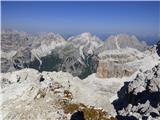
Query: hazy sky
(76, 17)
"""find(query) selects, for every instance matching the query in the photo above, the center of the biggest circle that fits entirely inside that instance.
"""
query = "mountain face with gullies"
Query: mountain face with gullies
(86, 42)
(49, 51)
(79, 55)
(20, 48)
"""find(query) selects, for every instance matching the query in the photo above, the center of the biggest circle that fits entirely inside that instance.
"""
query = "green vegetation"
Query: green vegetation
(50, 63)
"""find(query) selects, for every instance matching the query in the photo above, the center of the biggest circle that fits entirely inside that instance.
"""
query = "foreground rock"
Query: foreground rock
(140, 98)
(28, 94)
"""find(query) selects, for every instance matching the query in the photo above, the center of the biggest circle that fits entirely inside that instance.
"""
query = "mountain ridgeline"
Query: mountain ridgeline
(78, 55)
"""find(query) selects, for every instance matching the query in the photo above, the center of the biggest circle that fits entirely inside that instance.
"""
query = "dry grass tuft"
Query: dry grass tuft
(90, 113)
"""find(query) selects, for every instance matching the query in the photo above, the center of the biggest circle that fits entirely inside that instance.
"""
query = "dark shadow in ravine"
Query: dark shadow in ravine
(121, 101)
(125, 98)
(79, 115)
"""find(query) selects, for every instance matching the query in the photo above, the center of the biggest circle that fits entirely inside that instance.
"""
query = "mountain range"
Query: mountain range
(78, 55)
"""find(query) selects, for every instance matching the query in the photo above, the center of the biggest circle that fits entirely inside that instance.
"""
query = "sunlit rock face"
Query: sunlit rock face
(123, 41)
(118, 54)
(29, 94)
(86, 43)
(118, 62)
(102, 71)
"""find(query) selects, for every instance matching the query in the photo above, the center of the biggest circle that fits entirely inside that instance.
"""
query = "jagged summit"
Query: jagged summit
(86, 34)
(84, 38)
(86, 42)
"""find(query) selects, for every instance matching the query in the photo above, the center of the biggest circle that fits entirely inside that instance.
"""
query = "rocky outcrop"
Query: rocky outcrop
(118, 63)
(29, 94)
(102, 70)
(140, 98)
(158, 48)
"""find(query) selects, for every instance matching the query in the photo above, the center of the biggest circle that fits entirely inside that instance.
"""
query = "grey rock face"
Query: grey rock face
(123, 41)
(29, 94)
(13, 40)
(141, 98)
(49, 52)
(86, 41)
(19, 48)
(118, 63)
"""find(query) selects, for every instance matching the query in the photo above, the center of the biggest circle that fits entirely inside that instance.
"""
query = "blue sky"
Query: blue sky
(140, 18)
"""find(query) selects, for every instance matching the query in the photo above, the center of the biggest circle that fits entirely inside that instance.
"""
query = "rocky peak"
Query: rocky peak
(123, 41)
(86, 35)
(140, 98)
(86, 42)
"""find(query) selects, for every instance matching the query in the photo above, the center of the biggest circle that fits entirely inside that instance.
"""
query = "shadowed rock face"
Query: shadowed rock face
(140, 98)
(158, 48)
